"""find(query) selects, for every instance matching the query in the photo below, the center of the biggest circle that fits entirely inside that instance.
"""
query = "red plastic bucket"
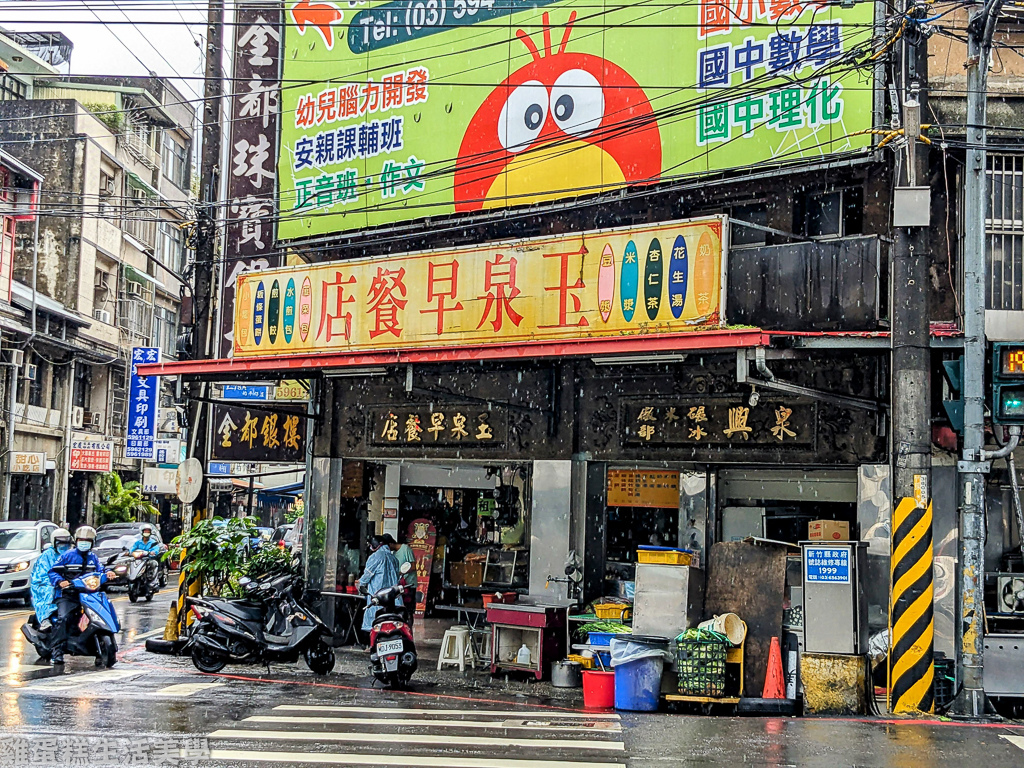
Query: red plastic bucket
(598, 689)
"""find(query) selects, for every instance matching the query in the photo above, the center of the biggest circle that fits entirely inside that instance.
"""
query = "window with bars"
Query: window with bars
(165, 330)
(12, 89)
(1004, 232)
(171, 245)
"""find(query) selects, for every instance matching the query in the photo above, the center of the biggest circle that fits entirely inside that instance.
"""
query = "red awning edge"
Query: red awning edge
(289, 366)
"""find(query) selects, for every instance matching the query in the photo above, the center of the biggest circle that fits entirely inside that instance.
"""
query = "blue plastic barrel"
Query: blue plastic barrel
(638, 684)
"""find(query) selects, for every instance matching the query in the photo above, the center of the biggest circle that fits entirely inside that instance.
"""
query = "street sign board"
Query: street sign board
(827, 564)
(248, 392)
(92, 456)
(158, 480)
(28, 463)
(250, 435)
(143, 404)
(221, 468)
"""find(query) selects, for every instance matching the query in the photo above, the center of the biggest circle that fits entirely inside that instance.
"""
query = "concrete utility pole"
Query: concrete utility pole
(975, 463)
(206, 236)
(911, 613)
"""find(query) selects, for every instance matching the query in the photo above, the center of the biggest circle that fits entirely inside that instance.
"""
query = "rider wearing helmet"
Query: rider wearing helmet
(80, 555)
(42, 589)
(147, 543)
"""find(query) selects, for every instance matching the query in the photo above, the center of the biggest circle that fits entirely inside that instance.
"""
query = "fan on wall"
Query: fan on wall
(1010, 589)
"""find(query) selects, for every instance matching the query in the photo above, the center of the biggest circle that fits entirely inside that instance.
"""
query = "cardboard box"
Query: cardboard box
(828, 530)
(466, 574)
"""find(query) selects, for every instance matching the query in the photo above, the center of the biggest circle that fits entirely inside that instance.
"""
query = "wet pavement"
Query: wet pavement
(155, 709)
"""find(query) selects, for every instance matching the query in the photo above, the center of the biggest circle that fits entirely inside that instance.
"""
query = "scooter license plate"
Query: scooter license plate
(389, 646)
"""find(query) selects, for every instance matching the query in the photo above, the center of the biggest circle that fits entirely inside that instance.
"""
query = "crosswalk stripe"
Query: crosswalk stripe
(411, 740)
(523, 723)
(1017, 741)
(187, 689)
(554, 713)
(73, 681)
(400, 761)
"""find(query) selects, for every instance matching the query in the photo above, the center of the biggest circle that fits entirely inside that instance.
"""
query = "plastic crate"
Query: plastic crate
(613, 611)
(600, 638)
(701, 665)
(944, 685)
(663, 556)
(583, 661)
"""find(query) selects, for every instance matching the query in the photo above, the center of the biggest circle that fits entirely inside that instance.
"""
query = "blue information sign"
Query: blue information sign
(831, 564)
(220, 468)
(143, 404)
(246, 392)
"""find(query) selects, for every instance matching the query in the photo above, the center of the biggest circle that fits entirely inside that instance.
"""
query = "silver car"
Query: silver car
(21, 543)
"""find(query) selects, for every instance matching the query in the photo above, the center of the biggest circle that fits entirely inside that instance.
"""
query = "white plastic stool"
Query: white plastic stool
(480, 639)
(456, 649)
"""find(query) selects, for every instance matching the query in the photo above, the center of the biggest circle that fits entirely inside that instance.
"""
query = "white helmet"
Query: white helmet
(86, 532)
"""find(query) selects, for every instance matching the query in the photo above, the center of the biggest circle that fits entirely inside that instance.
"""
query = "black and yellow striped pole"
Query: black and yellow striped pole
(911, 621)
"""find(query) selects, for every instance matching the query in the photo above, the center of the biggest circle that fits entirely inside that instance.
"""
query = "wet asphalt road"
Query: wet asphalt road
(149, 708)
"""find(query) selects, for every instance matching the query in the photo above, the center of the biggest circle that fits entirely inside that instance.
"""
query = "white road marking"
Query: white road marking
(1017, 741)
(524, 723)
(73, 681)
(148, 634)
(186, 689)
(400, 761)
(554, 713)
(412, 740)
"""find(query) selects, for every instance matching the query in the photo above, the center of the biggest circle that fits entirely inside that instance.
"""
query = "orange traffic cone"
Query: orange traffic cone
(774, 680)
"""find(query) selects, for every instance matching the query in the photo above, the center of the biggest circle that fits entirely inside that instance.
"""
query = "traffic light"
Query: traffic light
(1008, 383)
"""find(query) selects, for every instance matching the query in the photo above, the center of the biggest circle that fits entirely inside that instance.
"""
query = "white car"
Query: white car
(21, 543)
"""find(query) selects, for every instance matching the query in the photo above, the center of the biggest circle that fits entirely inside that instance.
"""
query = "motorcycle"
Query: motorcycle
(91, 629)
(273, 623)
(393, 658)
(141, 572)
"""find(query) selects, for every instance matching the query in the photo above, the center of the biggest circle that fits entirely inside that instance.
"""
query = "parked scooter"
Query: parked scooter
(273, 624)
(91, 629)
(392, 650)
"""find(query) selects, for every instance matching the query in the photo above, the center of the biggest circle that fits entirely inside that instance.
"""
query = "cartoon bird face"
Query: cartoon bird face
(563, 124)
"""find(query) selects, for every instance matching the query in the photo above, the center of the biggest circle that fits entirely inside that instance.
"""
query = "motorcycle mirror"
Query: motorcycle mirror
(406, 567)
(244, 580)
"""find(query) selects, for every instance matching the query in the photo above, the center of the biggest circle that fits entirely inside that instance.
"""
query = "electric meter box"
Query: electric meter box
(835, 606)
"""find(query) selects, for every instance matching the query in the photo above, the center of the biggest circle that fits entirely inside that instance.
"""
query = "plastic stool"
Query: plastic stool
(456, 649)
(481, 642)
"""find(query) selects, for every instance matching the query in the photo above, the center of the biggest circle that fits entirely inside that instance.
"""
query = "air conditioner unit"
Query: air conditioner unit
(102, 315)
(102, 280)
(135, 290)
(1010, 592)
(77, 416)
(18, 357)
(109, 188)
(31, 371)
(96, 419)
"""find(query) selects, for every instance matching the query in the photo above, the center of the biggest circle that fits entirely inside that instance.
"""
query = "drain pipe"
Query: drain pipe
(1005, 450)
(761, 365)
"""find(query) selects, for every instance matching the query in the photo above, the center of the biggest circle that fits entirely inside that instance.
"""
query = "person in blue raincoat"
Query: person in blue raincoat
(380, 573)
(42, 589)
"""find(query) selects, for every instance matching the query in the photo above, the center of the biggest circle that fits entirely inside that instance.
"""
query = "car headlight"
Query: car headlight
(21, 566)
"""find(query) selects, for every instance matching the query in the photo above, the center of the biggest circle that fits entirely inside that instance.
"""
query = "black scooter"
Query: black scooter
(272, 625)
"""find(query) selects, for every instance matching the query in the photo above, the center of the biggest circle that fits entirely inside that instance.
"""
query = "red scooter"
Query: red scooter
(392, 650)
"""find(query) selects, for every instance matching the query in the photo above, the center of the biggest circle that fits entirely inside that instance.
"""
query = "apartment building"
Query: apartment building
(103, 271)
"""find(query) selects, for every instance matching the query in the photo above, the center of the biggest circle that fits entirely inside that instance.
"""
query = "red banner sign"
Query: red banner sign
(422, 537)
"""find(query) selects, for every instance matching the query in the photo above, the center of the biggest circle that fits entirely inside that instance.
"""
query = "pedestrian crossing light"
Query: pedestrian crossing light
(1008, 383)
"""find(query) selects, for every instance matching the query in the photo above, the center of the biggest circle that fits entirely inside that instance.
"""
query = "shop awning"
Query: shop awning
(134, 274)
(289, 366)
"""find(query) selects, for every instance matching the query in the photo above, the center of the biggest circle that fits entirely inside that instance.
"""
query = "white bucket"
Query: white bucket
(728, 624)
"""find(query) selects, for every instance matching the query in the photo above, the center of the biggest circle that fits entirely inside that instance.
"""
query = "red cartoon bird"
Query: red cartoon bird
(319, 15)
(564, 121)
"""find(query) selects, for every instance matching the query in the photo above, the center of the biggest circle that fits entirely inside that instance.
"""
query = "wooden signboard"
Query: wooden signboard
(421, 537)
(643, 488)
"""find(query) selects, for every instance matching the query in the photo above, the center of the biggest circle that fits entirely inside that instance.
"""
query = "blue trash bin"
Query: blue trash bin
(638, 684)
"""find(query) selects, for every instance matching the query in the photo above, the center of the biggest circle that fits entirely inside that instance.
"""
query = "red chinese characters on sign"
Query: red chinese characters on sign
(501, 291)
(92, 456)
(387, 297)
(566, 292)
(340, 322)
(720, 16)
(442, 285)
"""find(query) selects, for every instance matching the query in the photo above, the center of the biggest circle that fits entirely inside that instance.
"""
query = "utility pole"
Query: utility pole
(206, 236)
(911, 622)
(976, 461)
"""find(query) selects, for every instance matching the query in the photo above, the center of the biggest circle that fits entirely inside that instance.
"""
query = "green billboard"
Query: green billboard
(394, 111)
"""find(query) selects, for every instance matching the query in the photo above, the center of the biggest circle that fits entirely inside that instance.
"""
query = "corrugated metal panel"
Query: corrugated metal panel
(81, 95)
